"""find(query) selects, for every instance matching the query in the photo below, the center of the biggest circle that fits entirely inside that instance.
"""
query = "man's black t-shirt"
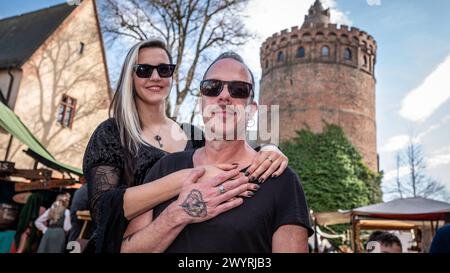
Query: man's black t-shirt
(247, 228)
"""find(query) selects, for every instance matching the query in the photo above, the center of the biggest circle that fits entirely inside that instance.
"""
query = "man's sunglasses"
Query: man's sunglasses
(237, 89)
(146, 70)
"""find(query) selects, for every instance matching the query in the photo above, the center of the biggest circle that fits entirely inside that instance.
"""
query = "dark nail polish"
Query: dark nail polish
(257, 187)
(252, 179)
(260, 181)
(246, 173)
(250, 194)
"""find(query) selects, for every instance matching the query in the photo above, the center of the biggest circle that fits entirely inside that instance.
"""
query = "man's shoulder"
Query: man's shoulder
(183, 156)
(289, 175)
(168, 164)
(286, 181)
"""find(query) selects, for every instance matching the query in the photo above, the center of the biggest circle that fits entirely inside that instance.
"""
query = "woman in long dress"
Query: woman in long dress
(54, 224)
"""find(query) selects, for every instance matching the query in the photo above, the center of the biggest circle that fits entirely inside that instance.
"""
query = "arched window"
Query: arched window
(347, 54)
(325, 51)
(280, 57)
(365, 61)
(301, 52)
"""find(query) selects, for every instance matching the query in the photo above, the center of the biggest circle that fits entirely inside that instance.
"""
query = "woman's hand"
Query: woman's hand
(270, 161)
(199, 202)
(219, 169)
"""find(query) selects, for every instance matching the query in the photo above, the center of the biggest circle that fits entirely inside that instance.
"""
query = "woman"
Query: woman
(54, 224)
(123, 148)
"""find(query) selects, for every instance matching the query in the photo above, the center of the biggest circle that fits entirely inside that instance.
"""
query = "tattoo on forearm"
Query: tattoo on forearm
(194, 204)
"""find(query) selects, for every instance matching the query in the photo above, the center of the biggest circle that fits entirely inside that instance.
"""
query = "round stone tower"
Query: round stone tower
(321, 73)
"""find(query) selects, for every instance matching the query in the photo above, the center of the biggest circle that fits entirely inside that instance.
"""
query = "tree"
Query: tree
(191, 28)
(417, 183)
(331, 170)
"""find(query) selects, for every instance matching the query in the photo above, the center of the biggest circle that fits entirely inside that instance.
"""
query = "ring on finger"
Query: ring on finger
(221, 189)
(270, 159)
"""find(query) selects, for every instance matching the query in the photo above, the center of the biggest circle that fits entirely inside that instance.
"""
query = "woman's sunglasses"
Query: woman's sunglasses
(237, 89)
(146, 70)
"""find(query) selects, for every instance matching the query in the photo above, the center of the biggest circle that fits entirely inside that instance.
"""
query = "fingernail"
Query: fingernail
(274, 175)
(260, 180)
(250, 194)
(252, 179)
(246, 173)
(256, 187)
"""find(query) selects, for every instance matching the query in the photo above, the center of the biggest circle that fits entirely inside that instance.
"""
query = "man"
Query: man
(385, 243)
(208, 216)
(79, 203)
(441, 241)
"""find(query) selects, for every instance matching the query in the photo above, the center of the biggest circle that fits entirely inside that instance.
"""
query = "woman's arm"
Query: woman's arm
(39, 223)
(67, 224)
(270, 161)
(140, 199)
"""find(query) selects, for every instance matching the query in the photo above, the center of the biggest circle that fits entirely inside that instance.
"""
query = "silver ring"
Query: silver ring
(221, 189)
(271, 161)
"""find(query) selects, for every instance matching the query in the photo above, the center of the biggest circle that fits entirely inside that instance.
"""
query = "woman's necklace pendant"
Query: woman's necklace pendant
(158, 138)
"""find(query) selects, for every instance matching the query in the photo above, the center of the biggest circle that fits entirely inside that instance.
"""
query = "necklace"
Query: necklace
(157, 137)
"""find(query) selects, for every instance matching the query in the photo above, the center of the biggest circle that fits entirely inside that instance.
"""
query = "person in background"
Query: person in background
(54, 224)
(441, 241)
(26, 237)
(80, 202)
(387, 242)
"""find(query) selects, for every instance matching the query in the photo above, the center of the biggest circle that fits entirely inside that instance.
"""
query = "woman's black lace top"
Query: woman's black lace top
(103, 167)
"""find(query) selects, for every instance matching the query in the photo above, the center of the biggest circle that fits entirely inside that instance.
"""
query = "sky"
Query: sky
(412, 70)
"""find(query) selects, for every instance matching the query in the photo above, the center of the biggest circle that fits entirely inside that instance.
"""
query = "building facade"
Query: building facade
(53, 75)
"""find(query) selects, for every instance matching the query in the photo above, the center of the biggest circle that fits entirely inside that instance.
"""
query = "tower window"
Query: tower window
(267, 64)
(365, 61)
(280, 57)
(66, 111)
(325, 51)
(347, 54)
(301, 52)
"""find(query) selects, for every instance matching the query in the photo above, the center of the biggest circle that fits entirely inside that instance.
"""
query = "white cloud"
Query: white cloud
(439, 158)
(392, 175)
(401, 141)
(395, 143)
(423, 101)
(434, 127)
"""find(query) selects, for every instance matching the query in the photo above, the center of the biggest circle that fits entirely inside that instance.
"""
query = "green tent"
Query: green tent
(12, 123)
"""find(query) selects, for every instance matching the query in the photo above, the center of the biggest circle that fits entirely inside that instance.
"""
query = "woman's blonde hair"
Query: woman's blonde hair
(58, 207)
(123, 106)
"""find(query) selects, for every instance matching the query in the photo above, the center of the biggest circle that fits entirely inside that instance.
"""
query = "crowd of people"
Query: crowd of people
(48, 230)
